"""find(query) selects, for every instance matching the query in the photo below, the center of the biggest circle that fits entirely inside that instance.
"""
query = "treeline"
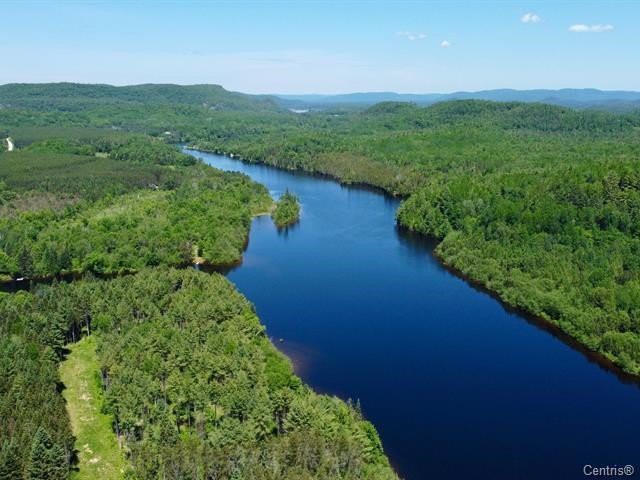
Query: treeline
(132, 148)
(195, 387)
(35, 435)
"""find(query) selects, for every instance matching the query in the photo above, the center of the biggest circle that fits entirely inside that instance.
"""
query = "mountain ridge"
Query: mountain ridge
(568, 97)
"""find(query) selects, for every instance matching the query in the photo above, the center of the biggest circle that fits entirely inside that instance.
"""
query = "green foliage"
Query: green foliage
(155, 152)
(560, 242)
(194, 385)
(538, 203)
(46, 459)
(30, 174)
(10, 462)
(34, 427)
(147, 204)
(286, 211)
(76, 97)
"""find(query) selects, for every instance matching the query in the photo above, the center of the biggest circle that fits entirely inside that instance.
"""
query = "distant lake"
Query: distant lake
(457, 386)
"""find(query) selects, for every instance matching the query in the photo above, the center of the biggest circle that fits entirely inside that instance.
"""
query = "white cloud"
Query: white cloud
(582, 28)
(530, 18)
(413, 36)
(445, 44)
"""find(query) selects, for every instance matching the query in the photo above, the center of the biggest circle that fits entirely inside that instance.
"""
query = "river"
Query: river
(458, 386)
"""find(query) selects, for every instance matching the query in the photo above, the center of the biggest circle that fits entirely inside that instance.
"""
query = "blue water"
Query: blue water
(457, 386)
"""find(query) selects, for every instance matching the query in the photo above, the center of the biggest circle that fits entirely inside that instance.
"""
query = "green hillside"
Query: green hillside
(77, 96)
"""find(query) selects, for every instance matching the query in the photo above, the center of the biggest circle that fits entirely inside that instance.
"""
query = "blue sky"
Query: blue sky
(325, 46)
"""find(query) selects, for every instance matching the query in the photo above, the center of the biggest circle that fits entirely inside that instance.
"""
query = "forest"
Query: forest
(538, 203)
(112, 206)
(192, 384)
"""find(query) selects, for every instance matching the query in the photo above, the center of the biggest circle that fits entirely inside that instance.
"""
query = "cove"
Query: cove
(458, 386)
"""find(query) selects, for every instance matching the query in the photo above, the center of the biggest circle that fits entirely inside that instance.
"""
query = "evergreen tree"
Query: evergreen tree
(9, 462)
(47, 461)
(58, 462)
(39, 466)
(25, 262)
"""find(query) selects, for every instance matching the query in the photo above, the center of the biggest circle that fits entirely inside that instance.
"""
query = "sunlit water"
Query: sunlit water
(457, 386)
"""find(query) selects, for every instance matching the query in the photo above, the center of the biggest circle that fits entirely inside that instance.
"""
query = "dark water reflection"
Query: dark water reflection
(457, 385)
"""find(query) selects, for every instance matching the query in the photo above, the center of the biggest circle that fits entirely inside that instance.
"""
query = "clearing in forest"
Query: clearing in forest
(98, 452)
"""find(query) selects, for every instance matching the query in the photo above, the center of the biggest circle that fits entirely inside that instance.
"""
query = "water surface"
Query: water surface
(457, 386)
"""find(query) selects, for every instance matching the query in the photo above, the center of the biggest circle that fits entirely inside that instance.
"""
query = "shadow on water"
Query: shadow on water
(27, 284)
(427, 245)
(287, 229)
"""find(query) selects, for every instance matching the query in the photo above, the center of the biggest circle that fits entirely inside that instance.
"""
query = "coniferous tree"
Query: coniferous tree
(25, 262)
(9, 462)
(47, 460)
(39, 463)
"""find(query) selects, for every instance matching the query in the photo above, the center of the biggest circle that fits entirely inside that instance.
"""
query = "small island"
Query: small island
(286, 211)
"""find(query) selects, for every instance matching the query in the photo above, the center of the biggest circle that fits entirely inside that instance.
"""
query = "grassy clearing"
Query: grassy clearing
(97, 446)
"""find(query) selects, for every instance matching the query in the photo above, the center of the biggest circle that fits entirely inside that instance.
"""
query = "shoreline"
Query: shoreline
(593, 356)
(10, 285)
(327, 176)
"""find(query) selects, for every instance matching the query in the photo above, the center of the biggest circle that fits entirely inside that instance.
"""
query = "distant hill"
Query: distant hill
(76, 96)
(575, 98)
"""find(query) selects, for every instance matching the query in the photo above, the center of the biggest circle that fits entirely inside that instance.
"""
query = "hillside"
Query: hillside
(76, 96)
(575, 98)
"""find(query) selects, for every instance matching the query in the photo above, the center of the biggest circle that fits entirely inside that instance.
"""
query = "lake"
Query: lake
(457, 385)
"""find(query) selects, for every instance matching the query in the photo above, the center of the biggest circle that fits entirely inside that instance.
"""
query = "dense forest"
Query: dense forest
(67, 97)
(539, 203)
(195, 388)
(117, 205)
(193, 385)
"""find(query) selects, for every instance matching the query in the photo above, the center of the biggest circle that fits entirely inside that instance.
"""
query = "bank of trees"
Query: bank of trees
(560, 243)
(539, 203)
(35, 435)
(195, 387)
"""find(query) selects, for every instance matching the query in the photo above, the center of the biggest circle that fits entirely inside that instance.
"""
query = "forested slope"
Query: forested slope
(77, 96)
